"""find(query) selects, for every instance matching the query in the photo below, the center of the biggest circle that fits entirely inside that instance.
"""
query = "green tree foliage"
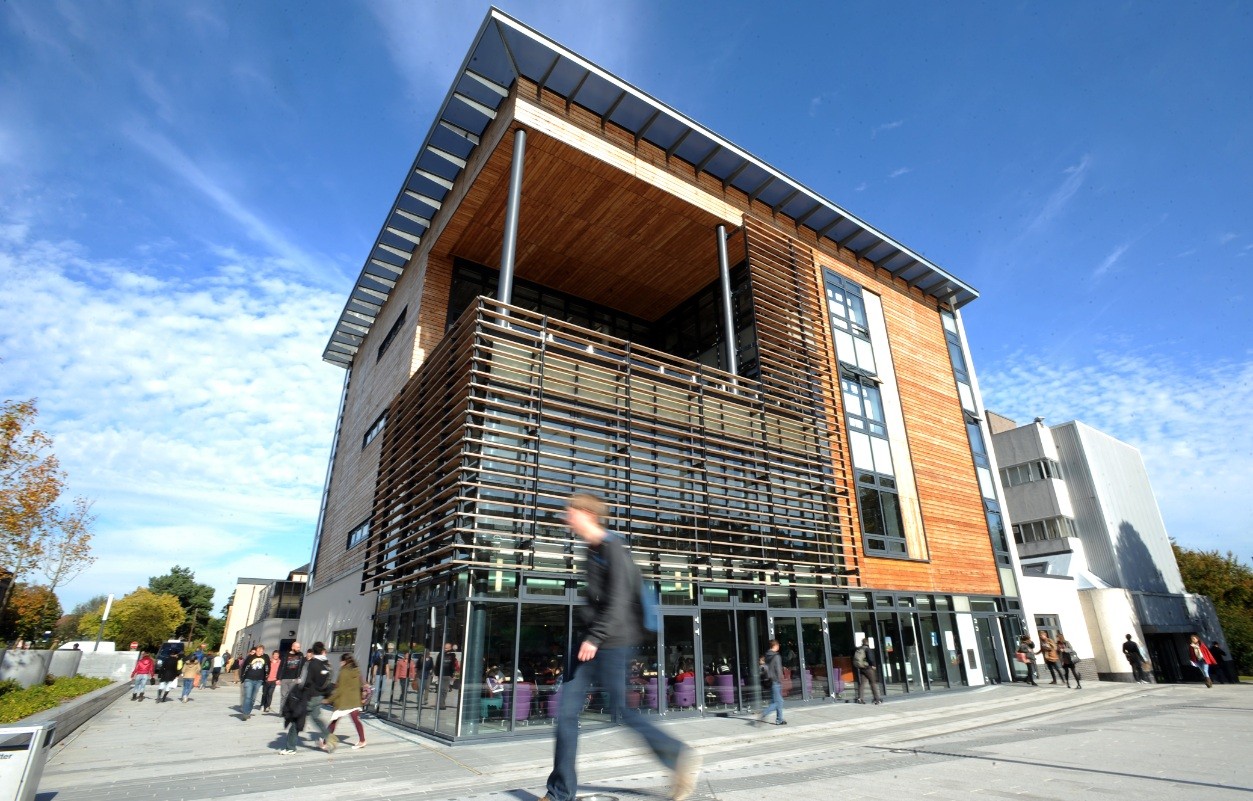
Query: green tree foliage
(213, 633)
(143, 616)
(196, 599)
(67, 626)
(1229, 584)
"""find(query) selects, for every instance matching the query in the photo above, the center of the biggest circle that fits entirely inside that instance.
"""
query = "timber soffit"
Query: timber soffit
(505, 49)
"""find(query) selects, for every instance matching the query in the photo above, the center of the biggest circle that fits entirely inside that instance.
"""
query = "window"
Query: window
(359, 534)
(1027, 472)
(883, 528)
(1048, 624)
(392, 332)
(847, 311)
(1052, 528)
(375, 430)
(343, 640)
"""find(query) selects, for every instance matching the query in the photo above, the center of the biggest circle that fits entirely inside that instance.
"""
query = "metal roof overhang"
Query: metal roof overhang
(505, 49)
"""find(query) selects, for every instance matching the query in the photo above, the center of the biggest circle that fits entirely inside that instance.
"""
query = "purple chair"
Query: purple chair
(554, 703)
(807, 681)
(519, 702)
(685, 693)
(650, 694)
(725, 688)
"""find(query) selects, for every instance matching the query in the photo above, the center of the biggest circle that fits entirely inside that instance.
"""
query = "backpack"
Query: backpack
(764, 673)
(859, 657)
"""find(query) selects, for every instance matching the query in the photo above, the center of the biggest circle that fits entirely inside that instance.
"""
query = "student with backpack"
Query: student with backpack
(864, 667)
(773, 673)
(614, 621)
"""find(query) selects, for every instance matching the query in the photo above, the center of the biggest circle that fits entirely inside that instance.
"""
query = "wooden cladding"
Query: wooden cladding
(711, 477)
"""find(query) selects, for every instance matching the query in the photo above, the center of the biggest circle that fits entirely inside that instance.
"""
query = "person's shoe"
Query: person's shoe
(1078, 686)
(286, 751)
(686, 771)
(1054, 681)
(780, 723)
(877, 702)
(134, 696)
(359, 746)
(858, 701)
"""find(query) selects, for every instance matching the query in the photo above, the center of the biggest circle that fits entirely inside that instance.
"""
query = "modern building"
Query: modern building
(1096, 560)
(264, 612)
(579, 288)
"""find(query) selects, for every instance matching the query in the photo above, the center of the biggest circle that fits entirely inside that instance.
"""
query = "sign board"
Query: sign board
(134, 645)
(23, 751)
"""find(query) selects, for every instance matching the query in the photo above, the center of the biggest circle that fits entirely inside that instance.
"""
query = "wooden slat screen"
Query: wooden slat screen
(713, 478)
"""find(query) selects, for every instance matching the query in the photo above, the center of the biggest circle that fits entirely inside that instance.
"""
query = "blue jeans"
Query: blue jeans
(776, 702)
(141, 681)
(204, 678)
(608, 669)
(251, 688)
(187, 685)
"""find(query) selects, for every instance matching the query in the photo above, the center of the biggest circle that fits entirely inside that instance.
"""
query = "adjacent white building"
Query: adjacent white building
(1096, 559)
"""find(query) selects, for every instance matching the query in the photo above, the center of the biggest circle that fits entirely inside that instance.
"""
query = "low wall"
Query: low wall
(27, 668)
(108, 664)
(72, 714)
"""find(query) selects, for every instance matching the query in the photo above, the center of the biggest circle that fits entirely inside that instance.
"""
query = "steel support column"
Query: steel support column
(509, 247)
(728, 319)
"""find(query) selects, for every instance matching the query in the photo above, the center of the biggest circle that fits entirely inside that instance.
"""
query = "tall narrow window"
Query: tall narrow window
(882, 524)
(392, 332)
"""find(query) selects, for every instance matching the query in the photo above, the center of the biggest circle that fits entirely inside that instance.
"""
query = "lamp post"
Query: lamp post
(108, 605)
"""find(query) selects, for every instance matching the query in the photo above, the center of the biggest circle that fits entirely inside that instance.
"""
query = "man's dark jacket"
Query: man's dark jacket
(613, 616)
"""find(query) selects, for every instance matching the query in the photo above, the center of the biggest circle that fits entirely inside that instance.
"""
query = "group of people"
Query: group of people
(170, 673)
(1059, 657)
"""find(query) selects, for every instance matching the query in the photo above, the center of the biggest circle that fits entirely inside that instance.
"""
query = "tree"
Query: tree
(196, 599)
(32, 610)
(35, 532)
(213, 633)
(142, 616)
(1229, 584)
(67, 626)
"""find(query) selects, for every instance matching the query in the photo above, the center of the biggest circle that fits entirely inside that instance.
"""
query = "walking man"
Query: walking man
(253, 673)
(289, 673)
(774, 672)
(1132, 652)
(614, 624)
(864, 664)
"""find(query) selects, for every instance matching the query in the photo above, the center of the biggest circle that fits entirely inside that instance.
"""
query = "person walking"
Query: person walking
(1132, 652)
(1026, 655)
(271, 679)
(1048, 650)
(206, 668)
(141, 675)
(1070, 661)
(774, 672)
(218, 662)
(1201, 658)
(346, 699)
(253, 673)
(167, 676)
(614, 624)
(447, 668)
(1222, 665)
(191, 669)
(289, 673)
(305, 698)
(866, 671)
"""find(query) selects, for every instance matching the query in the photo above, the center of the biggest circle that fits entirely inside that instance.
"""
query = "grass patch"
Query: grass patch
(16, 703)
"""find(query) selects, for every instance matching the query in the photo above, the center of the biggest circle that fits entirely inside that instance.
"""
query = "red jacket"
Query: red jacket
(1204, 651)
(145, 666)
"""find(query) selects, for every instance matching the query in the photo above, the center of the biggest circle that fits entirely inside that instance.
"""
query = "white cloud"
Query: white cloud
(1193, 423)
(1228, 237)
(898, 172)
(887, 126)
(1060, 197)
(196, 411)
(861, 187)
(1109, 261)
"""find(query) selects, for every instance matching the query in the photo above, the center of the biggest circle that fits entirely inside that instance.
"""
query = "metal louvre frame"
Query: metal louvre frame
(505, 49)
(710, 476)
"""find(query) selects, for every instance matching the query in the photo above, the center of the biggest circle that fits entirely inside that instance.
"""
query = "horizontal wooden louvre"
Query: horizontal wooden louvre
(711, 477)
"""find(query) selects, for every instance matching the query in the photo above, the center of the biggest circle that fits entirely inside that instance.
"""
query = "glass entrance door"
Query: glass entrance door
(805, 652)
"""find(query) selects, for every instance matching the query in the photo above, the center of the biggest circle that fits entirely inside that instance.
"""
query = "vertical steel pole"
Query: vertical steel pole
(509, 247)
(728, 319)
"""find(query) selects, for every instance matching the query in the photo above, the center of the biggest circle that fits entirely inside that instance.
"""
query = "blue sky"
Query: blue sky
(187, 191)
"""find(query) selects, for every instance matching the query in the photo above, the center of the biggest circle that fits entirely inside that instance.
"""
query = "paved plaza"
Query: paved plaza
(1106, 740)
